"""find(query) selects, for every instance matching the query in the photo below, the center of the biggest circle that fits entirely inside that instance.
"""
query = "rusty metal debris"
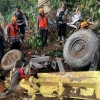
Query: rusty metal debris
(58, 84)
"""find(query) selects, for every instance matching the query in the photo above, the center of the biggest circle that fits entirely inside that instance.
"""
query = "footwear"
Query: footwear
(46, 45)
(42, 47)
(58, 38)
(62, 38)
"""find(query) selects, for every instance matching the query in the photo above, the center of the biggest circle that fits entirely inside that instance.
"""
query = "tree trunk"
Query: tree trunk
(46, 5)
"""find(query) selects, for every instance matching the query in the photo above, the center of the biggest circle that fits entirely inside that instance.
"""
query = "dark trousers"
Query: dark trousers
(1, 51)
(62, 29)
(22, 30)
(43, 36)
(15, 45)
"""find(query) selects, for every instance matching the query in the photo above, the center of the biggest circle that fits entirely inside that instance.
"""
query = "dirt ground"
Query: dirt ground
(54, 45)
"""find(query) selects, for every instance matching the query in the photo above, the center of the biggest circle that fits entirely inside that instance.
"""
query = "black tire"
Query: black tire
(80, 47)
(10, 58)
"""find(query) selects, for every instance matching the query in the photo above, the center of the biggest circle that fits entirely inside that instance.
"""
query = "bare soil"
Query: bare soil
(54, 45)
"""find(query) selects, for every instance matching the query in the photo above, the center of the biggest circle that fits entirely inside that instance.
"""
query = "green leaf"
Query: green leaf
(33, 19)
(99, 11)
(33, 37)
(30, 41)
(31, 9)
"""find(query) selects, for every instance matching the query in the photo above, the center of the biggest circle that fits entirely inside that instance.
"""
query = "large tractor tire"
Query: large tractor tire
(80, 48)
(10, 58)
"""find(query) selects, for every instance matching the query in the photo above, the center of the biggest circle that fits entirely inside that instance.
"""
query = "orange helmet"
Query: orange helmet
(41, 10)
(13, 19)
(83, 24)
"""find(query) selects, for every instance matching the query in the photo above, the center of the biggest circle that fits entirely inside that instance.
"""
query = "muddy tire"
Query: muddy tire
(10, 58)
(80, 47)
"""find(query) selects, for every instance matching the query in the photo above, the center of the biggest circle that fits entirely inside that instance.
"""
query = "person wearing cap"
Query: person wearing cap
(42, 27)
(84, 25)
(12, 34)
(21, 21)
(61, 21)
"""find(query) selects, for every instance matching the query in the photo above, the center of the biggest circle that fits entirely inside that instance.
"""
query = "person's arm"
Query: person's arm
(31, 83)
(7, 34)
(66, 12)
(58, 12)
(26, 21)
(47, 23)
(13, 14)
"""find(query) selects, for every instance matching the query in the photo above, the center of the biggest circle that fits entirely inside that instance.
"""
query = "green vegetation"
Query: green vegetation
(55, 53)
(35, 41)
(89, 8)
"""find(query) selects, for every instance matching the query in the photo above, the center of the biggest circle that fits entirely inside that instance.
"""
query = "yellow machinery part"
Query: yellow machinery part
(80, 85)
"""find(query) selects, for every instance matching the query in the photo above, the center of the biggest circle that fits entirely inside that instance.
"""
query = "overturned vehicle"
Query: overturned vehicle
(80, 51)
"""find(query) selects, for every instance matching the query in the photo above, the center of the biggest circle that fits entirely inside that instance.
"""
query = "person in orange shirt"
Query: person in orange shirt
(12, 34)
(42, 27)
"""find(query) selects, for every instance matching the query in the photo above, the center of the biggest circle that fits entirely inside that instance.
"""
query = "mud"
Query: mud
(70, 92)
(78, 49)
(11, 58)
(40, 97)
(15, 96)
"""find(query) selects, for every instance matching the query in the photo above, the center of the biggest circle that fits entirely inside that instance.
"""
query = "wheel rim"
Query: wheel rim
(78, 48)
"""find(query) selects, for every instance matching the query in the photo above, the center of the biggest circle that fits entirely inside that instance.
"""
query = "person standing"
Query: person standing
(2, 37)
(42, 27)
(21, 21)
(61, 21)
(12, 34)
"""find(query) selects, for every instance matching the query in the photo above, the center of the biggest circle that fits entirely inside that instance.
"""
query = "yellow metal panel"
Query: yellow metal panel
(81, 85)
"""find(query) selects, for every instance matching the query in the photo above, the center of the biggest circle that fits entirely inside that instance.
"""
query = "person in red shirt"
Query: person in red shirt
(42, 27)
(18, 75)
